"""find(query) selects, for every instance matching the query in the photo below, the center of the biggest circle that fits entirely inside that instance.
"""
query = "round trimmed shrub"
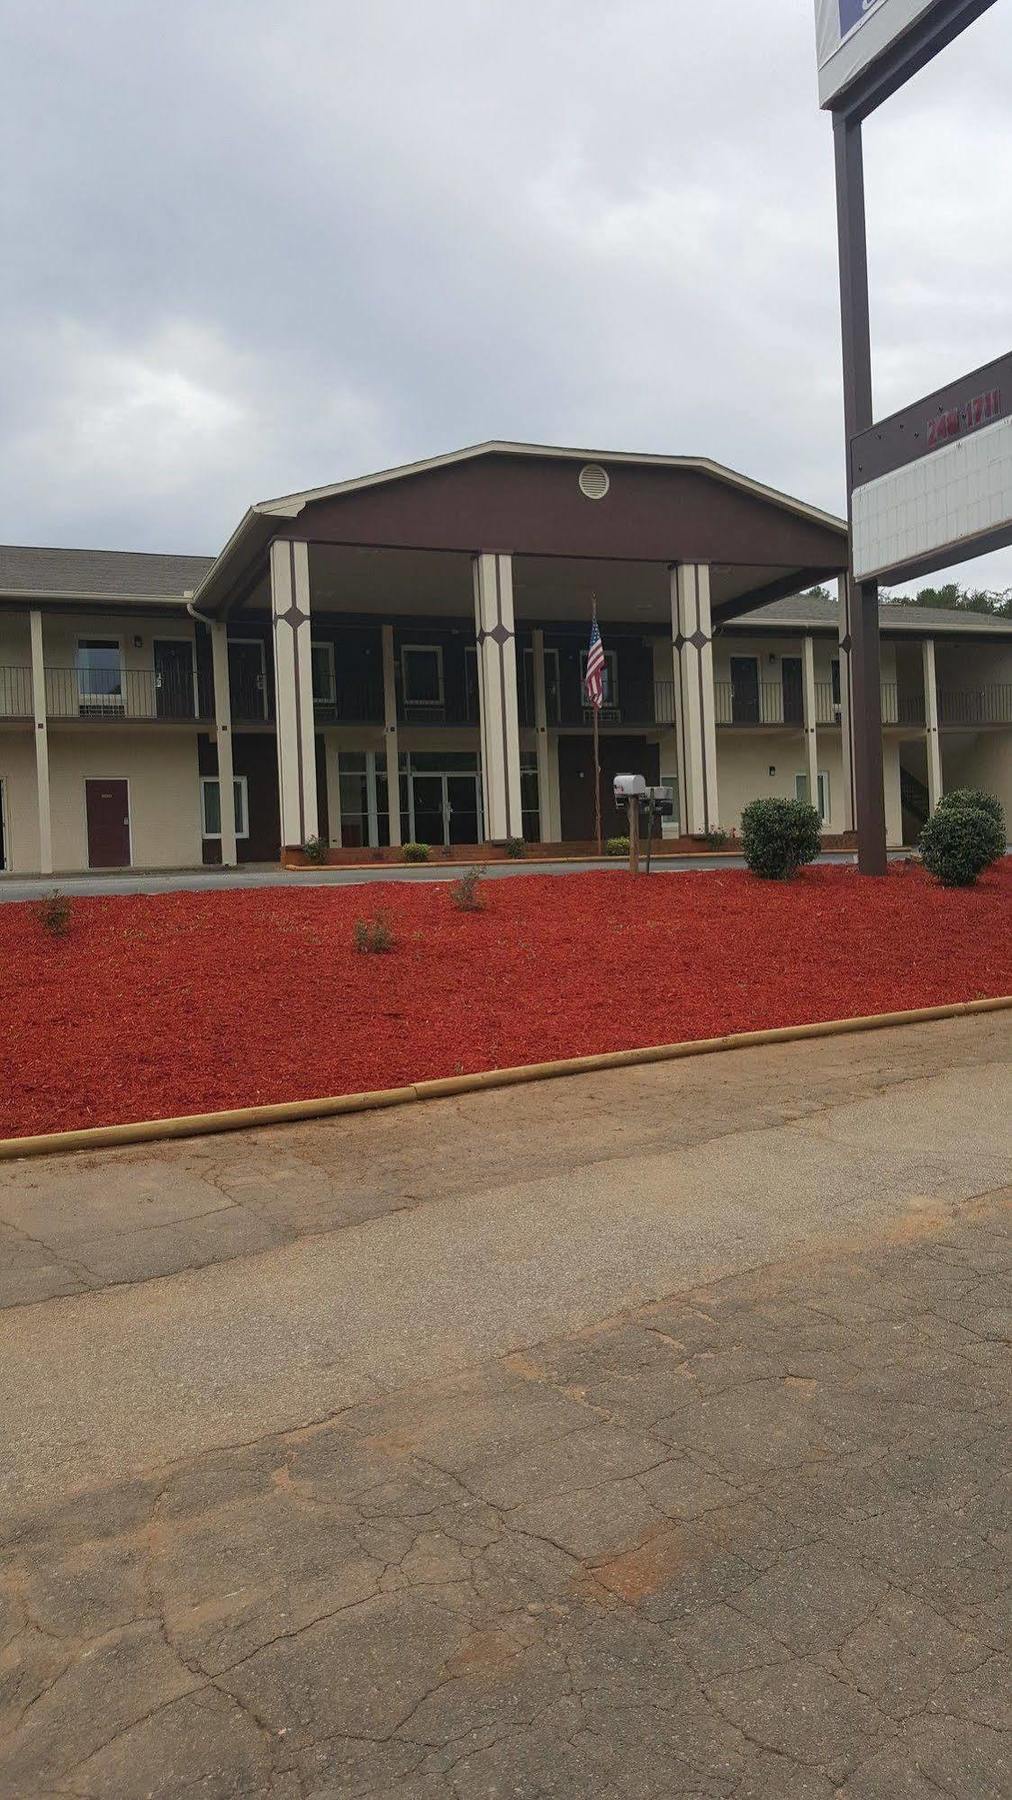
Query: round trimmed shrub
(616, 846)
(778, 836)
(978, 801)
(415, 852)
(959, 842)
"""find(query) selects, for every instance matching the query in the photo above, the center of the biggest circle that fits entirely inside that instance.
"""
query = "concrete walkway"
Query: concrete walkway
(633, 1435)
(174, 881)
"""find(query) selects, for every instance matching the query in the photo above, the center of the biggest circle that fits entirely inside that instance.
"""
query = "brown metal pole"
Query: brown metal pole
(865, 657)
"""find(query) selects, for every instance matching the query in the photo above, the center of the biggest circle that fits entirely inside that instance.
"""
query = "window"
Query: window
(100, 669)
(210, 807)
(801, 793)
(324, 677)
(672, 827)
(610, 676)
(422, 674)
(551, 686)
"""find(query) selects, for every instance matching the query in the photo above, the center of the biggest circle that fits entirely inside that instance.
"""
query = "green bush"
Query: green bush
(778, 836)
(415, 852)
(515, 848)
(373, 936)
(618, 846)
(978, 801)
(959, 842)
(464, 892)
(315, 850)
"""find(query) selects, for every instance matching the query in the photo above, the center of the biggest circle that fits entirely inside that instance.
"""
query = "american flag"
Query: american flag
(593, 679)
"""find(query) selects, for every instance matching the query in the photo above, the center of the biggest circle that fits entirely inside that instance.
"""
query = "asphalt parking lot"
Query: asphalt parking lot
(640, 1436)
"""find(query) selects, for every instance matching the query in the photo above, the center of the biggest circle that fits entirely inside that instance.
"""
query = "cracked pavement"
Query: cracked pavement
(635, 1437)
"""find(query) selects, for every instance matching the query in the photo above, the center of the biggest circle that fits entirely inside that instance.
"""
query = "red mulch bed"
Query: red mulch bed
(182, 1003)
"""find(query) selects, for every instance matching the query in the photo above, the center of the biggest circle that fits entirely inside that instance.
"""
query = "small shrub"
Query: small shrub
(415, 853)
(959, 842)
(978, 801)
(54, 913)
(515, 848)
(315, 850)
(617, 846)
(778, 836)
(373, 936)
(717, 838)
(464, 892)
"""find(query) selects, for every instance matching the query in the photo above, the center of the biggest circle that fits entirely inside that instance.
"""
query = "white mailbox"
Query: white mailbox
(630, 787)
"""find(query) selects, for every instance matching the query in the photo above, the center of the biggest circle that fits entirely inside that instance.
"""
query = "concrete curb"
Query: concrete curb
(289, 1112)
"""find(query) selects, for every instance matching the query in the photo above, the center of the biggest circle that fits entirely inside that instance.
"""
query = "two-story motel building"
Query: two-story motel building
(400, 657)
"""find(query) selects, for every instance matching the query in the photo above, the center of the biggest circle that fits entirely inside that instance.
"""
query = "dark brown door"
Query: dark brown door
(619, 756)
(108, 807)
(794, 700)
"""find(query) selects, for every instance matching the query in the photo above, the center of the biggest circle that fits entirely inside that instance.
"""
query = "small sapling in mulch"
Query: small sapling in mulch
(373, 937)
(54, 914)
(465, 892)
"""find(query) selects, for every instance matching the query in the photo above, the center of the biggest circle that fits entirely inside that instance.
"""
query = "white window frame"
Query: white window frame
(327, 646)
(801, 792)
(435, 650)
(85, 697)
(239, 781)
(611, 685)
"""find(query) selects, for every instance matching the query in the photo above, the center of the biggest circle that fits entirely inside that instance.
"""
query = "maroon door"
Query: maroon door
(108, 809)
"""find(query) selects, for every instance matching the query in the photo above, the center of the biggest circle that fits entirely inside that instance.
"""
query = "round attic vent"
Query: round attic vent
(594, 482)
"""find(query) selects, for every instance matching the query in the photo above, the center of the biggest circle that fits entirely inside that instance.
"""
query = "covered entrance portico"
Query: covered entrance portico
(433, 622)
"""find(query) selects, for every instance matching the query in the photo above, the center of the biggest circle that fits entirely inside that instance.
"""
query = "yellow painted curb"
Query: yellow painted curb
(290, 1112)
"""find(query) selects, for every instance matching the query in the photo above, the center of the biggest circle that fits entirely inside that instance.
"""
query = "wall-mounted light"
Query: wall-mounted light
(773, 768)
(138, 643)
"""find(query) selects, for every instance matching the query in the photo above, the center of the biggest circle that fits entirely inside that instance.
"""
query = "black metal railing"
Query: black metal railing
(111, 694)
(991, 705)
(15, 693)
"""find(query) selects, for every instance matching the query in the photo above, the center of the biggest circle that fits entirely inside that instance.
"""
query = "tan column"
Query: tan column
(390, 735)
(41, 744)
(497, 696)
(293, 688)
(223, 735)
(933, 741)
(811, 736)
(692, 644)
(547, 828)
(846, 709)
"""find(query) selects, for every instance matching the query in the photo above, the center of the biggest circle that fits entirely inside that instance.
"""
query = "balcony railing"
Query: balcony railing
(15, 693)
(125, 694)
(976, 706)
(899, 708)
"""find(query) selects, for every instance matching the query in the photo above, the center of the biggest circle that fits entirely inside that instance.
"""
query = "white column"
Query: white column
(546, 823)
(811, 735)
(223, 734)
(692, 643)
(293, 688)
(846, 712)
(390, 735)
(497, 695)
(934, 745)
(41, 745)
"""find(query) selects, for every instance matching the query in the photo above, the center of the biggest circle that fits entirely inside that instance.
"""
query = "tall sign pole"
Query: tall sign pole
(862, 623)
(867, 50)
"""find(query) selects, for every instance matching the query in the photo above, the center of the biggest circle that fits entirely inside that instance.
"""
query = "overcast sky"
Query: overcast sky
(252, 247)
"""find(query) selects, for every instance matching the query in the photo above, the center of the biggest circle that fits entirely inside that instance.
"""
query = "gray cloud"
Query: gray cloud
(253, 248)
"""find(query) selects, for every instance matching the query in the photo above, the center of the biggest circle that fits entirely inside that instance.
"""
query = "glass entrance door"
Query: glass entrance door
(429, 793)
(461, 797)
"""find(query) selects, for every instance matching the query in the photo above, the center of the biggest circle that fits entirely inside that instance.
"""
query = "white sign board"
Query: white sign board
(851, 35)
